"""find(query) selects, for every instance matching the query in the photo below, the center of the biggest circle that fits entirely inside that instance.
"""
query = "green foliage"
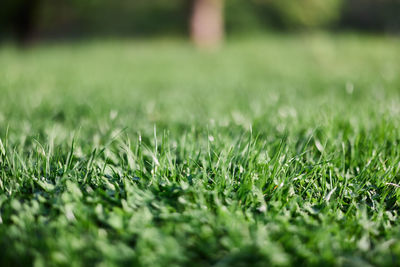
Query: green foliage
(73, 18)
(277, 151)
(122, 17)
(370, 14)
(242, 17)
(298, 14)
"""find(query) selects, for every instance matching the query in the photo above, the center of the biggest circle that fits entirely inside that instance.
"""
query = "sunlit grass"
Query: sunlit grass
(282, 150)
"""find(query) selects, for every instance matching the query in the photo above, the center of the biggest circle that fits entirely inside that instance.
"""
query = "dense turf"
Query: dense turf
(275, 151)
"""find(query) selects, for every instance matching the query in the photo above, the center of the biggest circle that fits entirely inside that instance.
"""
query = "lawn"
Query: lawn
(279, 150)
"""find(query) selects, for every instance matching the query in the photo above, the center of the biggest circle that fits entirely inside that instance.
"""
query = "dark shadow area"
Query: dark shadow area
(26, 21)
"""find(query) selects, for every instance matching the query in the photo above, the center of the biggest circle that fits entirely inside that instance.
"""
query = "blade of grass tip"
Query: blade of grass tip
(41, 155)
(103, 170)
(329, 195)
(139, 154)
(89, 165)
(21, 161)
(343, 175)
(4, 148)
(155, 139)
(70, 156)
(113, 138)
(155, 162)
(247, 149)
(49, 154)
(182, 147)
(130, 157)
(276, 157)
(393, 184)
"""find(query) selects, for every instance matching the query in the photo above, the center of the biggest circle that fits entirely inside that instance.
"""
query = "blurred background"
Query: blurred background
(206, 21)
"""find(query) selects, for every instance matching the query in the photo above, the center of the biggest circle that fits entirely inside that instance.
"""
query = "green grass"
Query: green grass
(282, 150)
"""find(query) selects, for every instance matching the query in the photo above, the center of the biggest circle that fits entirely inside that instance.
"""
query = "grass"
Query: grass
(282, 150)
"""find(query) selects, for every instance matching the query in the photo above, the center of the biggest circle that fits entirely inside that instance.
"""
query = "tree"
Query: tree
(207, 23)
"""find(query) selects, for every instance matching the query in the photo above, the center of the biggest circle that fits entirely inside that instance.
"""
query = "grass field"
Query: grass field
(282, 150)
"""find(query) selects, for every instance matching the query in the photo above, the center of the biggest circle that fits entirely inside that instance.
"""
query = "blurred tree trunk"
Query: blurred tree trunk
(207, 23)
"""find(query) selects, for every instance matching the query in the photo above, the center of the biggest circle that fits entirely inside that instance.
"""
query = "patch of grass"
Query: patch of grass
(282, 150)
